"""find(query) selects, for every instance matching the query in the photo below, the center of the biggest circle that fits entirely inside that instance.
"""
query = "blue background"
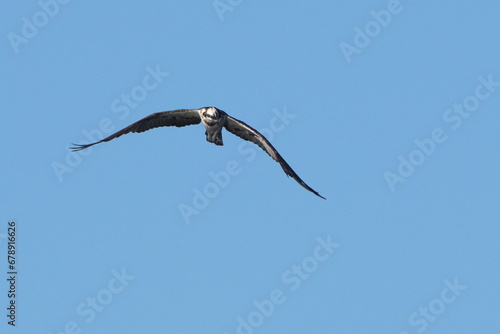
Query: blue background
(357, 115)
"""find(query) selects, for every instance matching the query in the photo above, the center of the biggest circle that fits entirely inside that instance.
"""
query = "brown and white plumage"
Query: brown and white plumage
(213, 120)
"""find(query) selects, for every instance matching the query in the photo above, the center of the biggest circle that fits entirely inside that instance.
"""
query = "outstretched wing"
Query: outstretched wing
(246, 132)
(180, 117)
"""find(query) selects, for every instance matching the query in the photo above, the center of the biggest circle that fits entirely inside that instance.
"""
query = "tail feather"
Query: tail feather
(215, 138)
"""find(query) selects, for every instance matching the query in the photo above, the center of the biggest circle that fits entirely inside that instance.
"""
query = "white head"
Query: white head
(212, 111)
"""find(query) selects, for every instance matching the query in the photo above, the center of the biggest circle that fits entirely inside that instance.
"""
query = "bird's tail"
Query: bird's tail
(215, 138)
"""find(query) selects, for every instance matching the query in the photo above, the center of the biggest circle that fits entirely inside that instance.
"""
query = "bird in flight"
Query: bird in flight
(213, 120)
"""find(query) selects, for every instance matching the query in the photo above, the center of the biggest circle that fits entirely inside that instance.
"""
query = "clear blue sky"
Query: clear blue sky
(388, 109)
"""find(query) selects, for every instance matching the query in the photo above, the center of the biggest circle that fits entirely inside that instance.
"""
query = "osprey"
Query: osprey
(213, 120)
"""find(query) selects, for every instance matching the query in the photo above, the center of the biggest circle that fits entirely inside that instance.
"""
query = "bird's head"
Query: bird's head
(210, 111)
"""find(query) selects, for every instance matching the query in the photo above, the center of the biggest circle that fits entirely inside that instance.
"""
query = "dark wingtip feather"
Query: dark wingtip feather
(79, 147)
(320, 196)
(313, 191)
(303, 184)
